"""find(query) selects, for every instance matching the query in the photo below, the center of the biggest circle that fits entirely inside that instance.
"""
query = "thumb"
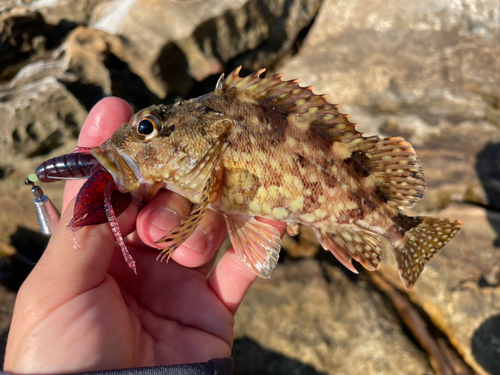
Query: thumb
(103, 120)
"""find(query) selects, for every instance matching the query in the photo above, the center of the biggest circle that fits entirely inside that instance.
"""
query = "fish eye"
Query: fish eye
(145, 126)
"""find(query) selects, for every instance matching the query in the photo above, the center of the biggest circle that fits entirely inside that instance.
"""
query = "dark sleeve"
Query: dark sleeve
(219, 366)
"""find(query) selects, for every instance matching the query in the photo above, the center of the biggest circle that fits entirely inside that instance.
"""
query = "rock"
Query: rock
(486, 337)
(54, 66)
(31, 30)
(37, 118)
(7, 299)
(6, 249)
(458, 162)
(200, 38)
(313, 314)
(77, 12)
(305, 244)
(251, 358)
(55, 11)
(98, 64)
(153, 57)
(488, 169)
(23, 34)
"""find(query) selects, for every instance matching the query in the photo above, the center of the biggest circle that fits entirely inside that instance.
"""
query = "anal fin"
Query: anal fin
(347, 242)
(257, 244)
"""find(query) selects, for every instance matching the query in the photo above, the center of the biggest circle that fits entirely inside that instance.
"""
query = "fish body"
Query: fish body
(270, 148)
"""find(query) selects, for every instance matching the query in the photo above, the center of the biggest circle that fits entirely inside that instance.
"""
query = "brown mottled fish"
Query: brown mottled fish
(270, 148)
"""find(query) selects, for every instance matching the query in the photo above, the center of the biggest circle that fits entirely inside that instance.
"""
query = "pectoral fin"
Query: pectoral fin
(349, 242)
(181, 232)
(192, 180)
(257, 244)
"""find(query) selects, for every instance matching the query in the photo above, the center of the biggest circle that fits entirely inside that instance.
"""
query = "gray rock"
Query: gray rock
(37, 118)
(54, 65)
(459, 162)
(201, 37)
(69, 11)
(23, 37)
(98, 66)
(314, 314)
(31, 29)
(77, 11)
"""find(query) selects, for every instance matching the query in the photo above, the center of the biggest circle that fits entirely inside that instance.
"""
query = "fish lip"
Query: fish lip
(121, 167)
(132, 166)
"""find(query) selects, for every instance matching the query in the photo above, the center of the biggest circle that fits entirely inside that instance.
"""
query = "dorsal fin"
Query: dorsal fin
(291, 99)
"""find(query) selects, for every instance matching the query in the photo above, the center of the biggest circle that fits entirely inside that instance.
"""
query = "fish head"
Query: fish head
(163, 146)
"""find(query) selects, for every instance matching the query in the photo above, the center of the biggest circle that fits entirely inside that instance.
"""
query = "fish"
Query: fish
(264, 147)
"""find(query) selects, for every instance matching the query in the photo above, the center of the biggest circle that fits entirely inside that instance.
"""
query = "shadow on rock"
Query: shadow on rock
(485, 344)
(127, 85)
(30, 246)
(26, 35)
(488, 169)
(251, 358)
(3, 345)
(122, 80)
(173, 68)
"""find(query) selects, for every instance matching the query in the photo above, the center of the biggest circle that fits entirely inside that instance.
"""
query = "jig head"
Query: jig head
(47, 213)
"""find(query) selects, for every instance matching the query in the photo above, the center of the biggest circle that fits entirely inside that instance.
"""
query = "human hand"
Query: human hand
(86, 310)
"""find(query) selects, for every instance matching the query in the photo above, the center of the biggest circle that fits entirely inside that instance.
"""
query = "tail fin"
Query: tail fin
(420, 244)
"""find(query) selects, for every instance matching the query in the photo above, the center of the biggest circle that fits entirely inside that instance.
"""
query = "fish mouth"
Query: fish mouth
(121, 167)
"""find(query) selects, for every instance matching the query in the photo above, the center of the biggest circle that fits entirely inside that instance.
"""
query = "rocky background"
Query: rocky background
(427, 70)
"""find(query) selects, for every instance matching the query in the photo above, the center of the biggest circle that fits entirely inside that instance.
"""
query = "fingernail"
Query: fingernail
(164, 218)
(198, 240)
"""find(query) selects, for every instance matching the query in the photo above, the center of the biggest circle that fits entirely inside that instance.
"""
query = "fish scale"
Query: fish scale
(271, 148)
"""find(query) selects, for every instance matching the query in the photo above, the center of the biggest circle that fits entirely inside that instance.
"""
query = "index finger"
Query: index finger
(104, 118)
